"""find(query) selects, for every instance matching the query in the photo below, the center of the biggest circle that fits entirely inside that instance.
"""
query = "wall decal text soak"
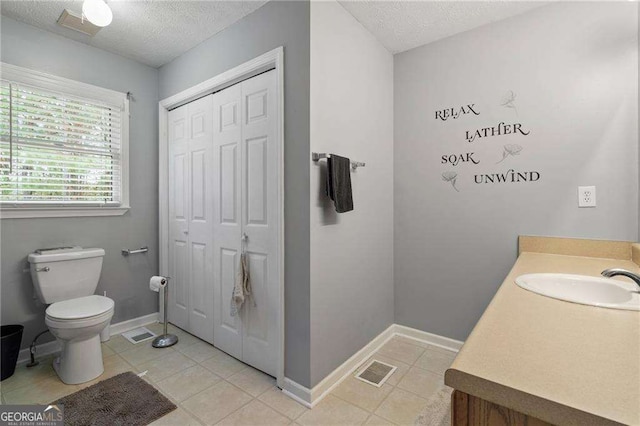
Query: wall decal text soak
(510, 176)
(455, 159)
(500, 129)
(454, 113)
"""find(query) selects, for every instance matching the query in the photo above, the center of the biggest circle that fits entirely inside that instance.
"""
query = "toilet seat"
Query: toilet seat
(78, 323)
(79, 312)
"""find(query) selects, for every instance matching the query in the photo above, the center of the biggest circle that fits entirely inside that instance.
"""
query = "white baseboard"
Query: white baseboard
(430, 338)
(297, 392)
(43, 349)
(127, 325)
(311, 397)
(326, 385)
(50, 348)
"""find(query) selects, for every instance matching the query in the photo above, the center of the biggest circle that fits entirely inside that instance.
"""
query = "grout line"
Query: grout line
(242, 406)
(239, 408)
(45, 375)
(376, 407)
(275, 409)
(351, 403)
(197, 393)
(190, 414)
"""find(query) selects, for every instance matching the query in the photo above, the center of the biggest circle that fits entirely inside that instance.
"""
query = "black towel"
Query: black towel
(339, 182)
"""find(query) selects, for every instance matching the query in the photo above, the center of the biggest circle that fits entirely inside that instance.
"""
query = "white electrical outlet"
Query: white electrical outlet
(586, 196)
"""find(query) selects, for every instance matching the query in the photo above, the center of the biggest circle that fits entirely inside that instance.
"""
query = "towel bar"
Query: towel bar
(317, 156)
(127, 252)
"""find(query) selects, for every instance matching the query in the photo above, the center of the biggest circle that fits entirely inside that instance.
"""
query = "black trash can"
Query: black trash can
(10, 347)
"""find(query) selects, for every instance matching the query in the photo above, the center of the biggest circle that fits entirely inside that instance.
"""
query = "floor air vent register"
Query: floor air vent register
(376, 373)
(139, 335)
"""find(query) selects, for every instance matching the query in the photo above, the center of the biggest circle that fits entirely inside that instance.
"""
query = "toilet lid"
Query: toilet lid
(82, 307)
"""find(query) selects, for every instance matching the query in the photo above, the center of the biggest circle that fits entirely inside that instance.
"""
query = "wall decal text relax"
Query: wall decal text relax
(454, 113)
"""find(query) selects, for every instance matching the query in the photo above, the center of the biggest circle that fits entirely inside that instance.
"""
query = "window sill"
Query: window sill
(44, 212)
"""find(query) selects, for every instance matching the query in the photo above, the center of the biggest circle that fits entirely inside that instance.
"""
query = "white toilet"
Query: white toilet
(65, 279)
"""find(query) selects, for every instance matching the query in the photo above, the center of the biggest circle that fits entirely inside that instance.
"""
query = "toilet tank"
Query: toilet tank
(65, 273)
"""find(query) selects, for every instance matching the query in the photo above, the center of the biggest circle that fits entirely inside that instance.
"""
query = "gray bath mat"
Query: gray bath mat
(124, 399)
(438, 411)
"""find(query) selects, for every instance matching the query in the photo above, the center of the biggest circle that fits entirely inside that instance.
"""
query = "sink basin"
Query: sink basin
(602, 292)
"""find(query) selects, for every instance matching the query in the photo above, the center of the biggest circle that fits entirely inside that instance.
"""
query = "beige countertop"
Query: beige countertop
(561, 362)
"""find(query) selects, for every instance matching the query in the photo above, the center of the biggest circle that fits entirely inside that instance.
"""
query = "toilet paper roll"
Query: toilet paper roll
(157, 282)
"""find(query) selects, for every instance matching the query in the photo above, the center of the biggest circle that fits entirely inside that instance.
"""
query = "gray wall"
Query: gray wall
(573, 68)
(124, 279)
(275, 24)
(351, 253)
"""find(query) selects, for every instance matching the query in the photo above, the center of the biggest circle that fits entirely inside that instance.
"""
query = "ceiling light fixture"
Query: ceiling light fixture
(97, 12)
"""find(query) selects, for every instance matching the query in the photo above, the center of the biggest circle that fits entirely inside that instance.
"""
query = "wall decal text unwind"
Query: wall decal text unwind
(454, 113)
(510, 176)
(499, 130)
(455, 159)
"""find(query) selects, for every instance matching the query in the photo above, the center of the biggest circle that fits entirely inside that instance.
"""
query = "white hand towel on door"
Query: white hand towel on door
(241, 287)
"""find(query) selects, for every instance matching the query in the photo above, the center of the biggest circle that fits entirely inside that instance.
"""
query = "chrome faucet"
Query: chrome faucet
(622, 272)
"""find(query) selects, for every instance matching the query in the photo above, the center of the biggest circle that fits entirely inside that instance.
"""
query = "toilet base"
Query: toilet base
(80, 360)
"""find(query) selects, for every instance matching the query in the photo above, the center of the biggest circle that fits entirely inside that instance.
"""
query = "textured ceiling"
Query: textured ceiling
(151, 32)
(403, 25)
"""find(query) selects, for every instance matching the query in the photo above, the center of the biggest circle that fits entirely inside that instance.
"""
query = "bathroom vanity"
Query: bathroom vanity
(536, 360)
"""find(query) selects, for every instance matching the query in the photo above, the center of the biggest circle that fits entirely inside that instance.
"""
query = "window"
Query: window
(63, 147)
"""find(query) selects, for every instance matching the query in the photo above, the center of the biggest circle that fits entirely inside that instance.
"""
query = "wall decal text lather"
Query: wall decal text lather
(454, 113)
(500, 129)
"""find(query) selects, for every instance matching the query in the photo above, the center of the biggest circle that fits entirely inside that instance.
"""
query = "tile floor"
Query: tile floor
(210, 387)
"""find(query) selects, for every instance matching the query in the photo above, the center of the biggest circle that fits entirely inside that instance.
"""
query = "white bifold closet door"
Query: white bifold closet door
(191, 216)
(223, 182)
(245, 218)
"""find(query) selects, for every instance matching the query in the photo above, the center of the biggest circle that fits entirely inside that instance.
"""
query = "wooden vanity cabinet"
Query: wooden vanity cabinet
(469, 410)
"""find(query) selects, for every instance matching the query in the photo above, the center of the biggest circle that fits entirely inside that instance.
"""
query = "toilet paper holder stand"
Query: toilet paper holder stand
(165, 340)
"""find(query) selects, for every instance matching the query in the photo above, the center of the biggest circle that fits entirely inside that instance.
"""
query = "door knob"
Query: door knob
(186, 232)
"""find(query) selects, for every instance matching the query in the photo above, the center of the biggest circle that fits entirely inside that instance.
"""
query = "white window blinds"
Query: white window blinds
(58, 149)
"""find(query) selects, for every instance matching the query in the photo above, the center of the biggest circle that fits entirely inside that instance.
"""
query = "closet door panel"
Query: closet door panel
(180, 284)
(201, 217)
(227, 218)
(256, 171)
(178, 217)
(259, 216)
(229, 184)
